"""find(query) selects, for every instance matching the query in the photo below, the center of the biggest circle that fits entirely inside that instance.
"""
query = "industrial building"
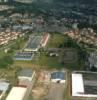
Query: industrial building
(17, 93)
(58, 77)
(26, 78)
(84, 85)
(3, 88)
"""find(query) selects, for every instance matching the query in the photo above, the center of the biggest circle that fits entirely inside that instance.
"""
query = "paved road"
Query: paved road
(56, 92)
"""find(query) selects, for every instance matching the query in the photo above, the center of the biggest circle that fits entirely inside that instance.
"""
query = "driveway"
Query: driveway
(56, 92)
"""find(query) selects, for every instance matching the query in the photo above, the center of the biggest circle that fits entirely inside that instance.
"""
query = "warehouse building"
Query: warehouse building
(77, 85)
(26, 78)
(58, 77)
(84, 85)
(17, 93)
(3, 88)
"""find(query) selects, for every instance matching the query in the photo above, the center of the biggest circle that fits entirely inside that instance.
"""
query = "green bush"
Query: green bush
(6, 61)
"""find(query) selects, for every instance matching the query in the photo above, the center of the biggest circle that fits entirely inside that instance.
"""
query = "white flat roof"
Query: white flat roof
(17, 93)
(4, 86)
(77, 84)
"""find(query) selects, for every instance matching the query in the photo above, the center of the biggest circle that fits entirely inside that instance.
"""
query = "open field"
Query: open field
(46, 62)
(56, 40)
(2, 54)
(41, 61)
(69, 55)
(9, 74)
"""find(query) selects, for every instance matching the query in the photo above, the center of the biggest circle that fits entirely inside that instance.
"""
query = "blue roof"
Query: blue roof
(58, 75)
(24, 56)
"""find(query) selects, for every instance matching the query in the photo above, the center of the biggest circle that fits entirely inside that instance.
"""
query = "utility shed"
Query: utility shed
(3, 88)
(58, 77)
(17, 93)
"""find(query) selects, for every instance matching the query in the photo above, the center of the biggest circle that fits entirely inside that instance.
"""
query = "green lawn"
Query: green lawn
(50, 62)
(41, 60)
(44, 61)
(74, 66)
(9, 74)
(2, 54)
(56, 40)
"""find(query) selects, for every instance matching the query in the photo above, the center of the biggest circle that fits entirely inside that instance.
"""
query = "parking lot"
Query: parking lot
(56, 92)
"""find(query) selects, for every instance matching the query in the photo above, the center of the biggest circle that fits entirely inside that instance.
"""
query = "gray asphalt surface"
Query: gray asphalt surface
(56, 92)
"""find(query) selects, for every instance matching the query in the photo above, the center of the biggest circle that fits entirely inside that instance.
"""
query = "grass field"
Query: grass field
(56, 40)
(2, 54)
(41, 60)
(44, 61)
(51, 62)
(9, 74)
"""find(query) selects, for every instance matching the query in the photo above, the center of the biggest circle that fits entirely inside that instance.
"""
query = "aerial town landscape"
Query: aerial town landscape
(48, 50)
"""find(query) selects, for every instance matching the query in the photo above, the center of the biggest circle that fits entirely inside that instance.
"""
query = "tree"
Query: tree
(6, 61)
